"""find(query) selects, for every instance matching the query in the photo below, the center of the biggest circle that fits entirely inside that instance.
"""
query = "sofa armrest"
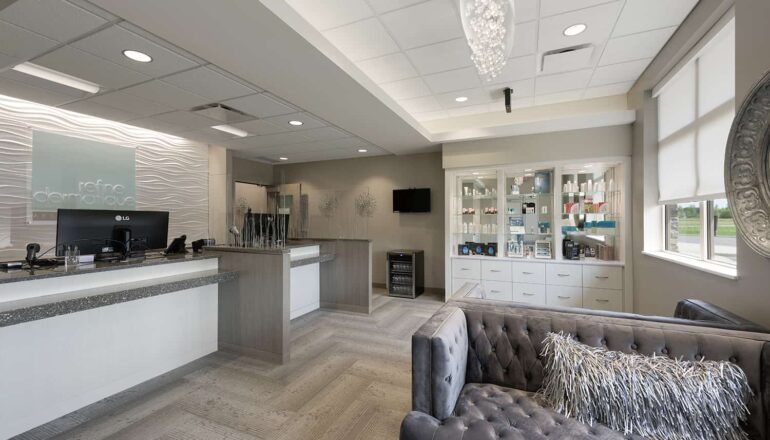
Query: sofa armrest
(439, 360)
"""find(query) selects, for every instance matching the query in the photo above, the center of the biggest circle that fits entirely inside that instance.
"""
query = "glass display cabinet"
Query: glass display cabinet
(528, 214)
(476, 213)
(591, 212)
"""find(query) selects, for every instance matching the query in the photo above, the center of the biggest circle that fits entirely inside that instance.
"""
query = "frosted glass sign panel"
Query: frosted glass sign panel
(74, 173)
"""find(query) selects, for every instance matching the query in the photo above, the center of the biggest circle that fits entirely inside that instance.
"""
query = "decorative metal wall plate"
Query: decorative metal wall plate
(747, 182)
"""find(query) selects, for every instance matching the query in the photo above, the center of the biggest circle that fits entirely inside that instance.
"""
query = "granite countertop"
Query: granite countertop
(292, 244)
(323, 258)
(33, 309)
(17, 275)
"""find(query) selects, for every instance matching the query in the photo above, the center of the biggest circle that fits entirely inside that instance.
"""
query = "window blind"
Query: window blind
(695, 112)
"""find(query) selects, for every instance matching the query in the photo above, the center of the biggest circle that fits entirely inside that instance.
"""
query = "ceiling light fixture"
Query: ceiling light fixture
(575, 29)
(57, 77)
(475, 173)
(488, 27)
(528, 170)
(362, 150)
(137, 56)
(296, 123)
(230, 129)
(461, 98)
(283, 158)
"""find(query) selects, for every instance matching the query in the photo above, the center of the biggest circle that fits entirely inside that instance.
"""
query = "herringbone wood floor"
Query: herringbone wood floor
(349, 378)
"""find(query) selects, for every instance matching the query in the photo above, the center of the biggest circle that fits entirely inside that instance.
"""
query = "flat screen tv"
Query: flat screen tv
(411, 200)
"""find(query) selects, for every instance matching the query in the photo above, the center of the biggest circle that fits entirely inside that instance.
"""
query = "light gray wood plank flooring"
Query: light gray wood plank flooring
(349, 378)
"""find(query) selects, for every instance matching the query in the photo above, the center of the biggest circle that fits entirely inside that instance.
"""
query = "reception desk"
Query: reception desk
(72, 337)
(277, 285)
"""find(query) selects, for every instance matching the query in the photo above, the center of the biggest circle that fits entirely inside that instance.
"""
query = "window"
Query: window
(695, 111)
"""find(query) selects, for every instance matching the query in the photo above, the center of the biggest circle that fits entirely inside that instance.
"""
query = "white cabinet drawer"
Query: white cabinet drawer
(564, 275)
(468, 269)
(603, 277)
(603, 299)
(564, 296)
(532, 273)
(498, 290)
(457, 283)
(529, 293)
(496, 271)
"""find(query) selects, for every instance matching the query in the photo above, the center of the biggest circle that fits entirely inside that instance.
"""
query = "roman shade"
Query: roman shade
(695, 111)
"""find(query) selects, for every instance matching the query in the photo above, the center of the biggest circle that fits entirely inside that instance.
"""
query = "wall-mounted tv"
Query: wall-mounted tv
(411, 200)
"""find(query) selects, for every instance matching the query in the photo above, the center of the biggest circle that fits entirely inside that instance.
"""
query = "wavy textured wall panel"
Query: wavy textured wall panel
(171, 172)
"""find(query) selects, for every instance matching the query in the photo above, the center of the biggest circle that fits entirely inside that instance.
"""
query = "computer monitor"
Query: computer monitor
(100, 232)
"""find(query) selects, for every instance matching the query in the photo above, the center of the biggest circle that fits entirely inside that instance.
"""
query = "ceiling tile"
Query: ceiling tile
(260, 128)
(207, 135)
(526, 10)
(423, 24)
(157, 125)
(432, 116)
(599, 19)
(636, 46)
(616, 73)
(99, 110)
(208, 83)
(467, 111)
(645, 15)
(260, 106)
(475, 96)
(20, 43)
(521, 89)
(453, 80)
(83, 65)
(167, 94)
(8, 61)
(188, 120)
(439, 57)
(325, 14)
(381, 6)
(45, 84)
(271, 140)
(21, 90)
(308, 121)
(407, 88)
(524, 39)
(388, 68)
(555, 98)
(134, 104)
(553, 7)
(362, 40)
(516, 69)
(326, 134)
(609, 90)
(111, 42)
(56, 19)
(561, 82)
(421, 105)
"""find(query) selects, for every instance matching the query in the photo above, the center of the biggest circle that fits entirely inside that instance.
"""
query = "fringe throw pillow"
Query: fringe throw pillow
(652, 396)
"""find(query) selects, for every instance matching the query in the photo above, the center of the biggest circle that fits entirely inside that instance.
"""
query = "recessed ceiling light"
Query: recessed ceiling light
(575, 29)
(283, 158)
(296, 123)
(587, 166)
(475, 174)
(230, 129)
(461, 98)
(137, 56)
(362, 150)
(528, 170)
(57, 77)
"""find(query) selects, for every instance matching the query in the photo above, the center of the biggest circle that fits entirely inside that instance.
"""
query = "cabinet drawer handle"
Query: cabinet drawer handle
(464, 268)
(564, 297)
(527, 273)
(602, 277)
(527, 294)
(495, 291)
(563, 274)
(495, 270)
(602, 300)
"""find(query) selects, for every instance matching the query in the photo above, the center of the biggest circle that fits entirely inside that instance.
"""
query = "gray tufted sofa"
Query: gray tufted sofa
(475, 370)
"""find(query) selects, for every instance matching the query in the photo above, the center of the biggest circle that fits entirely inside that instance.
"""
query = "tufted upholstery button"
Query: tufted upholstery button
(733, 359)
(664, 350)
(634, 347)
(604, 341)
(505, 328)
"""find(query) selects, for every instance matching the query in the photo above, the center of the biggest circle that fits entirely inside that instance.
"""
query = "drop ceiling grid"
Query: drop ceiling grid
(422, 84)
(157, 96)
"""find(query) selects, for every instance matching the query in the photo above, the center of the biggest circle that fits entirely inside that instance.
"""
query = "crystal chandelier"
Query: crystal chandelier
(488, 26)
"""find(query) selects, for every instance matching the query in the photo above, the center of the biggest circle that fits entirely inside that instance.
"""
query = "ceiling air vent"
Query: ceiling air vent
(567, 59)
(221, 113)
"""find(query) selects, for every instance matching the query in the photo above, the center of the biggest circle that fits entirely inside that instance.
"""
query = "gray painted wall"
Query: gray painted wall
(659, 284)
(387, 230)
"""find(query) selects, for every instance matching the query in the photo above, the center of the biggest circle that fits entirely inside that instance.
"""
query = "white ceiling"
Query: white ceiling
(415, 50)
(80, 39)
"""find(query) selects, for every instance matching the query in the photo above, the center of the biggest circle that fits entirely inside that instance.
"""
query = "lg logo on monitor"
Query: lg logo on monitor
(123, 218)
